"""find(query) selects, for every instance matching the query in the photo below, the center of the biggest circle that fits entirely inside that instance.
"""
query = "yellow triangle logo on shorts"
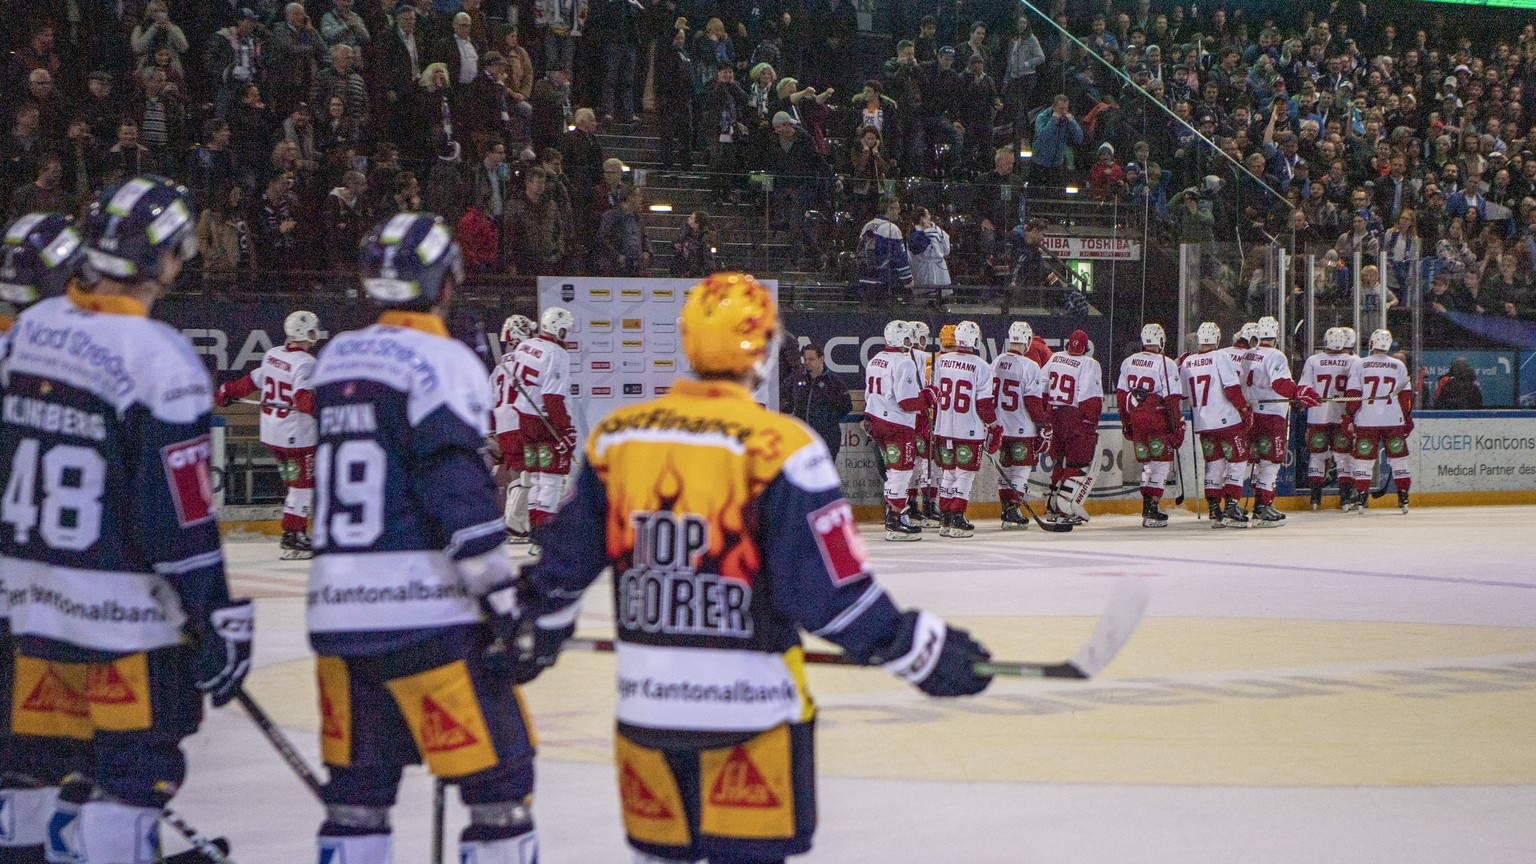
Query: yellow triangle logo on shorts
(104, 685)
(638, 798)
(439, 731)
(52, 694)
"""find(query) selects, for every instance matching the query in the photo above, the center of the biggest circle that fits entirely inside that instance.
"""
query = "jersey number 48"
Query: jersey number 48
(68, 516)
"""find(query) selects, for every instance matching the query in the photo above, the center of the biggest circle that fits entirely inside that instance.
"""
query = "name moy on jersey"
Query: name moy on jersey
(55, 418)
(100, 362)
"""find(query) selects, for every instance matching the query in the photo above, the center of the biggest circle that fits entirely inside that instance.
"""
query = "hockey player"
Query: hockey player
(727, 535)
(965, 423)
(287, 422)
(923, 491)
(1148, 394)
(408, 552)
(505, 426)
(1074, 393)
(893, 399)
(541, 369)
(44, 739)
(109, 509)
(1270, 390)
(1019, 388)
(1327, 374)
(1222, 418)
(1379, 416)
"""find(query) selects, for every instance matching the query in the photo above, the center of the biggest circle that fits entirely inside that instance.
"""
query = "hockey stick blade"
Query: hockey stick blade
(1126, 605)
(214, 851)
(279, 741)
(1048, 527)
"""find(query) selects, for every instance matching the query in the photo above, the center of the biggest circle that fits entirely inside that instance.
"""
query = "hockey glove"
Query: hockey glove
(1043, 439)
(938, 658)
(1245, 418)
(1176, 437)
(221, 397)
(1307, 397)
(224, 650)
(538, 647)
(568, 439)
(994, 439)
(1347, 426)
(1407, 425)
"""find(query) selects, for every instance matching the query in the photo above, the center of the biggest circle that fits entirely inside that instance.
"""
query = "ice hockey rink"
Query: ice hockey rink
(1342, 689)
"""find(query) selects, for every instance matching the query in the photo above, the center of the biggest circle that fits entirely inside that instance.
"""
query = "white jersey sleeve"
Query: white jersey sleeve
(961, 380)
(1267, 365)
(890, 378)
(1016, 377)
(282, 375)
(1379, 379)
(1206, 377)
(1328, 375)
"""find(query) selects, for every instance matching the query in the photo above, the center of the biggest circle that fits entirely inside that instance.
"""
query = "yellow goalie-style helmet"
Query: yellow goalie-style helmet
(729, 325)
(947, 337)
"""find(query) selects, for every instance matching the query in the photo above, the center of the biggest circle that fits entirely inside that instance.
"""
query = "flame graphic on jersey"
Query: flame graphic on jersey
(53, 694)
(638, 798)
(705, 485)
(104, 685)
(740, 784)
(440, 732)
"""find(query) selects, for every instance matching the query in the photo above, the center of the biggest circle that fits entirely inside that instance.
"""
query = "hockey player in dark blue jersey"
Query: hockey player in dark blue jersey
(727, 534)
(410, 578)
(119, 606)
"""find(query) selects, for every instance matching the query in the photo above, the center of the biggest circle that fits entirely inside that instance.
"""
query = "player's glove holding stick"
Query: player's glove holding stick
(224, 650)
(936, 658)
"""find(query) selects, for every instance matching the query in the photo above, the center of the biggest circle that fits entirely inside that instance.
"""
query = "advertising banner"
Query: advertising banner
(1496, 373)
(1093, 248)
(1467, 451)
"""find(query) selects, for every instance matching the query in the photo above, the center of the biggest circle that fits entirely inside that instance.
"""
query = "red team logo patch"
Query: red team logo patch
(440, 733)
(741, 785)
(638, 798)
(837, 536)
(188, 473)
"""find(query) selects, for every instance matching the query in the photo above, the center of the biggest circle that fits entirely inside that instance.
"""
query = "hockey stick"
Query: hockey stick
(1118, 621)
(539, 412)
(1049, 527)
(1386, 476)
(1179, 463)
(438, 803)
(279, 742)
(216, 851)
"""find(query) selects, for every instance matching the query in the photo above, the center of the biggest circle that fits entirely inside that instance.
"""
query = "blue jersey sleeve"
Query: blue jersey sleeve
(579, 531)
(454, 485)
(173, 515)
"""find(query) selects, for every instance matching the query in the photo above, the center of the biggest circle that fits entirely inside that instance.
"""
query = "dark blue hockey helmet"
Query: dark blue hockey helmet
(406, 258)
(41, 252)
(140, 221)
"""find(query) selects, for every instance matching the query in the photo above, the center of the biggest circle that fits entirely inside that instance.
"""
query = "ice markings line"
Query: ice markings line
(1300, 568)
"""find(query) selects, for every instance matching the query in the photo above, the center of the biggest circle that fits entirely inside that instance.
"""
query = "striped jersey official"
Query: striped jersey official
(401, 490)
(108, 533)
(727, 532)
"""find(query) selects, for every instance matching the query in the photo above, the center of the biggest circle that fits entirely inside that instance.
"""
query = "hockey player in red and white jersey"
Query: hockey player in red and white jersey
(1327, 373)
(1019, 387)
(287, 422)
(1148, 394)
(541, 369)
(893, 399)
(1222, 418)
(505, 425)
(1074, 394)
(1380, 417)
(1269, 386)
(965, 424)
(923, 488)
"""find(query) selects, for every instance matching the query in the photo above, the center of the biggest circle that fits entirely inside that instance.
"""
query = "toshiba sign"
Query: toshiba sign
(1094, 248)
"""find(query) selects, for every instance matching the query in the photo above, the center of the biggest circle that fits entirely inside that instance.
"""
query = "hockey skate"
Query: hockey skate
(296, 546)
(1233, 516)
(914, 511)
(519, 538)
(1215, 513)
(1013, 518)
(1317, 495)
(1266, 516)
(899, 527)
(955, 525)
(932, 518)
(1402, 500)
(1152, 516)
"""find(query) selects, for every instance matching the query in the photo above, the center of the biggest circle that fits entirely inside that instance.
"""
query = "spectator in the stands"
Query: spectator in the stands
(694, 250)
(1056, 130)
(157, 31)
(978, 105)
(45, 194)
(293, 55)
(798, 171)
(928, 244)
(535, 235)
(885, 266)
(224, 243)
(622, 247)
(674, 86)
(343, 26)
(344, 218)
(128, 157)
(277, 231)
(341, 79)
(233, 61)
(161, 117)
(724, 111)
(477, 236)
(1458, 389)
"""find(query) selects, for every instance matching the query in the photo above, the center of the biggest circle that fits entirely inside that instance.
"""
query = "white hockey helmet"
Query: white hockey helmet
(1267, 328)
(1020, 333)
(1152, 334)
(919, 333)
(557, 321)
(517, 328)
(968, 335)
(1381, 340)
(1249, 333)
(1208, 333)
(1335, 339)
(302, 326)
(898, 334)
(1351, 338)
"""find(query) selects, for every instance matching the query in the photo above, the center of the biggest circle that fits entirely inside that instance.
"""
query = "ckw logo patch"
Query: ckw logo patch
(189, 474)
